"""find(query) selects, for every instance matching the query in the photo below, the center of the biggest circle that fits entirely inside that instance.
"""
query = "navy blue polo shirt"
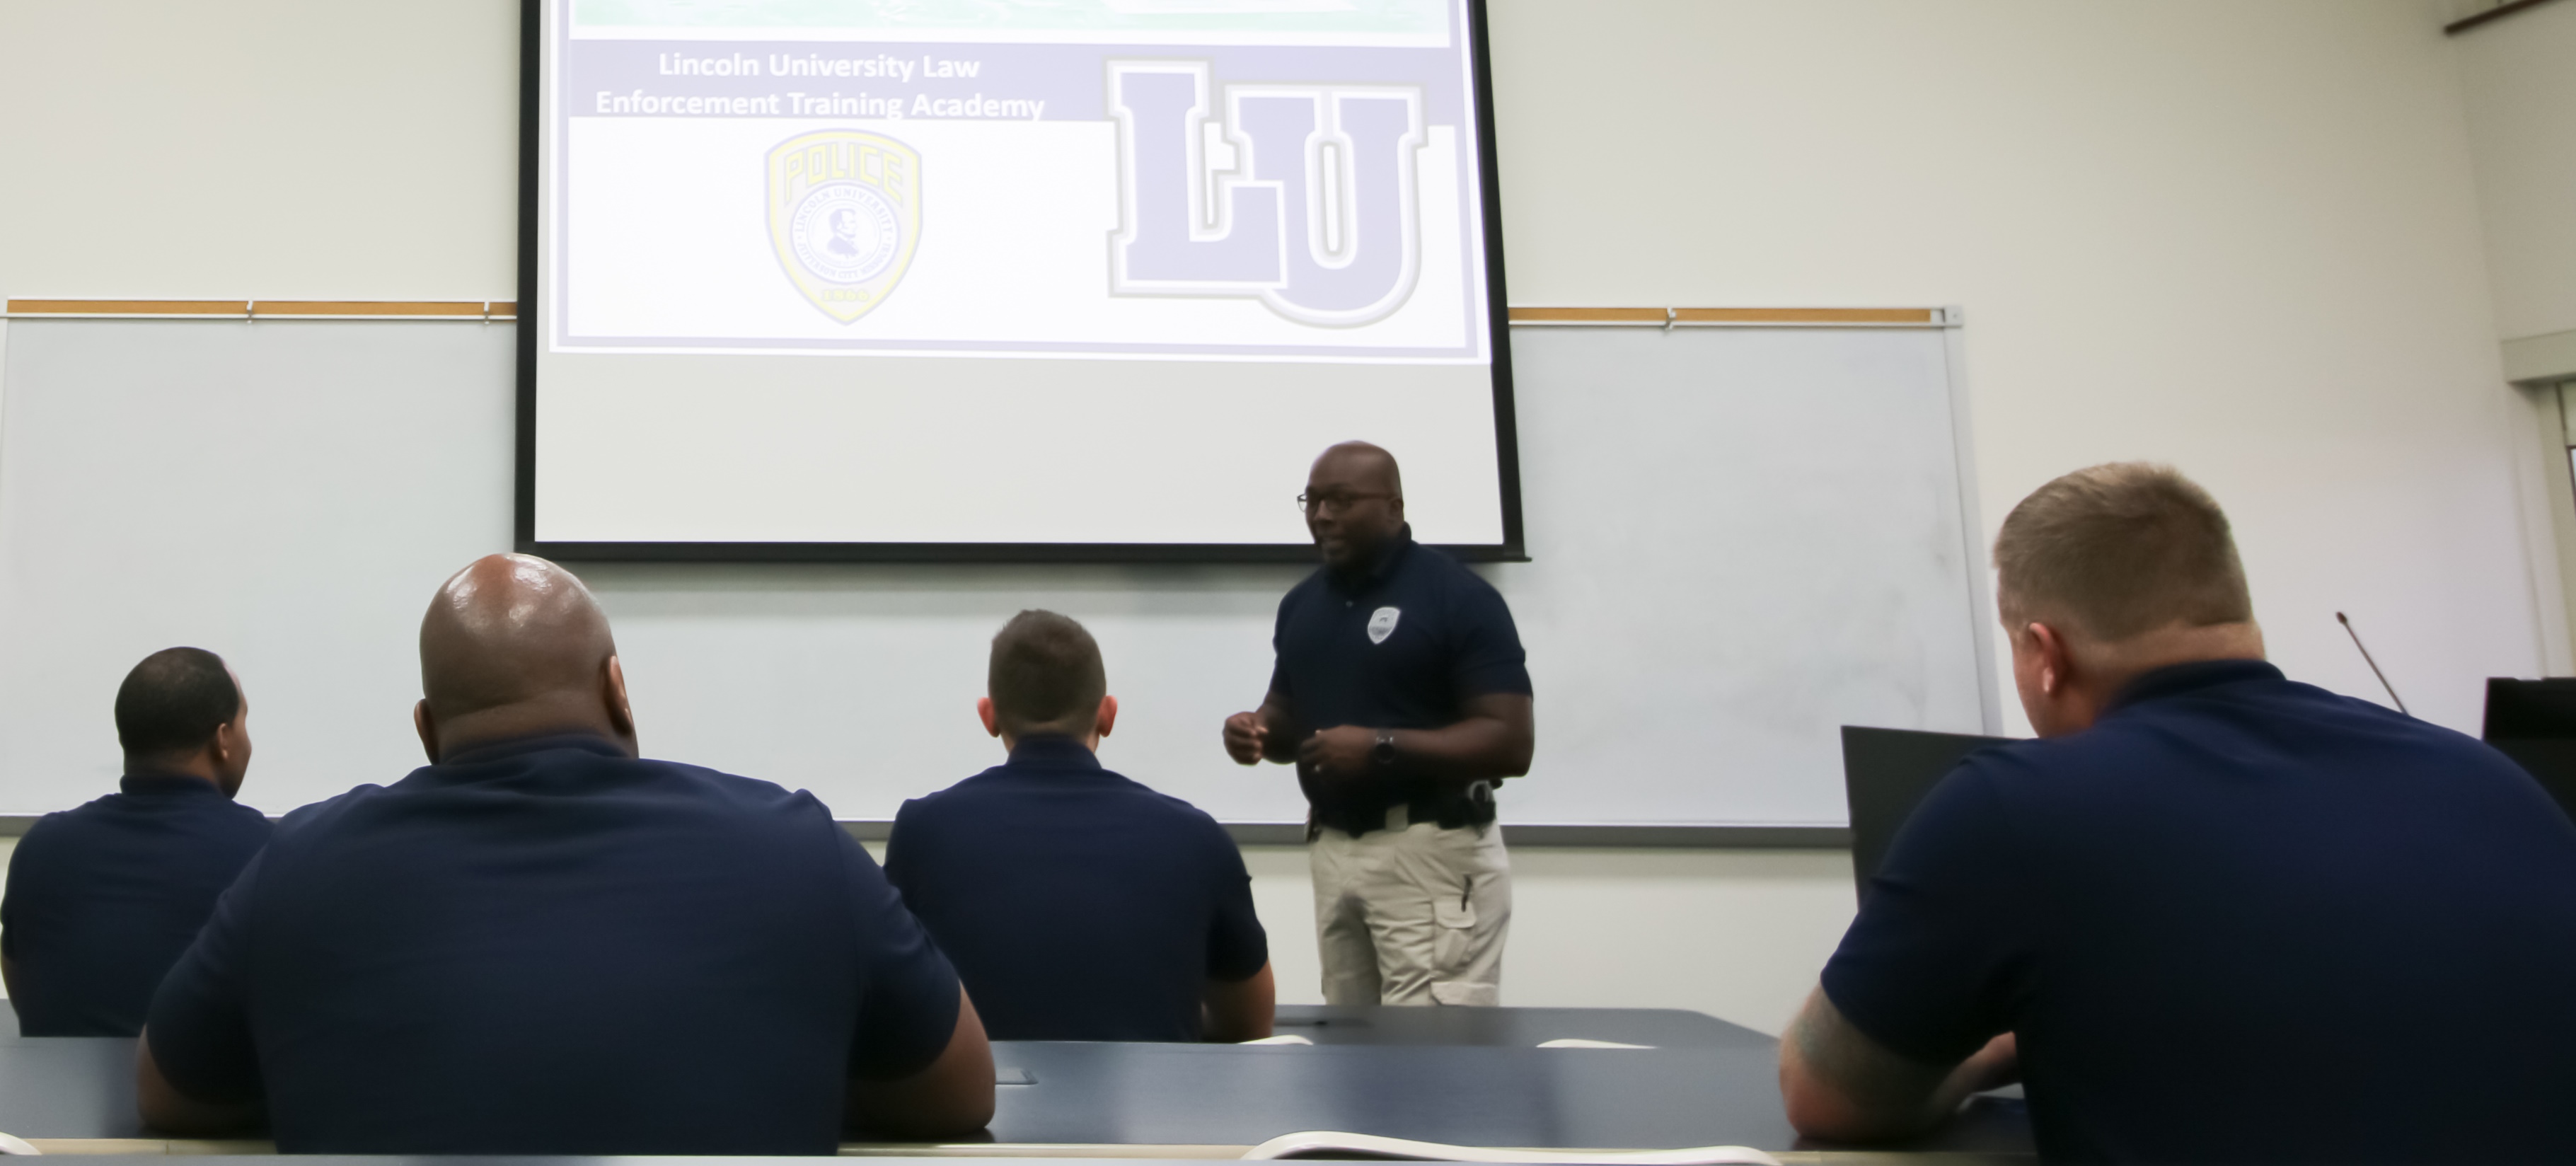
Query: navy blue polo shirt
(547, 947)
(1401, 646)
(103, 898)
(1078, 905)
(2240, 919)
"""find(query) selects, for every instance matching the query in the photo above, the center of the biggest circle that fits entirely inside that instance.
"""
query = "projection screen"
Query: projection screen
(1058, 279)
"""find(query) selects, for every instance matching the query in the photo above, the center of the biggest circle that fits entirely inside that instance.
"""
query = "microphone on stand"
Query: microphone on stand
(2346, 621)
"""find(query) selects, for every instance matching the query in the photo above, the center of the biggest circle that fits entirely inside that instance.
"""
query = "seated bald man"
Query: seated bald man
(541, 944)
(2216, 915)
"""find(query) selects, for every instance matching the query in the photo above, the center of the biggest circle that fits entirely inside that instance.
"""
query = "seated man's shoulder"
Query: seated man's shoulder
(740, 807)
(96, 810)
(248, 819)
(968, 800)
(750, 795)
(1179, 817)
(45, 829)
(317, 819)
(995, 799)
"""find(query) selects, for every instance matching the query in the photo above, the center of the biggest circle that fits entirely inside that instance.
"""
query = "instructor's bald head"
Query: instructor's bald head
(515, 646)
(1354, 503)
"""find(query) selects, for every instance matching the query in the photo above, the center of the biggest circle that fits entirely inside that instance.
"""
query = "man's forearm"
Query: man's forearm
(1840, 1085)
(1475, 749)
(1240, 1010)
(1492, 741)
(952, 1096)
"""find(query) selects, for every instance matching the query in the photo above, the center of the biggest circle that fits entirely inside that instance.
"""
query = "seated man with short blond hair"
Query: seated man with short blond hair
(1079, 905)
(2215, 914)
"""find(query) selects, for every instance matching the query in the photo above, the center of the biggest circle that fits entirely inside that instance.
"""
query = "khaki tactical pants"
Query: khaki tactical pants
(1413, 914)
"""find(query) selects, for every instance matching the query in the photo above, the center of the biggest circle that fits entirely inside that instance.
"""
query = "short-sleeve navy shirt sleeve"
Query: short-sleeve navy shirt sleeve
(909, 1009)
(1934, 966)
(1237, 945)
(200, 1025)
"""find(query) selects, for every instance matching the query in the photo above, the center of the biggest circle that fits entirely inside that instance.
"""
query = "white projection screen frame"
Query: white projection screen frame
(851, 280)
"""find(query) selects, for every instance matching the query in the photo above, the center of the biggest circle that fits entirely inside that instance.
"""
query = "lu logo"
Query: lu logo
(1317, 215)
(1382, 624)
(844, 216)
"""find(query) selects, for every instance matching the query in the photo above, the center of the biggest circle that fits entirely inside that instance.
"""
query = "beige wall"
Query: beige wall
(2243, 238)
(2518, 74)
(272, 149)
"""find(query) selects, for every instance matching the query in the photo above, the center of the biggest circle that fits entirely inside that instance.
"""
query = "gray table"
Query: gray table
(1223, 1095)
(68, 1087)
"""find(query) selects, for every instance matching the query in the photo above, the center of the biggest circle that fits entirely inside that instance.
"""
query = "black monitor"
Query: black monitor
(1886, 772)
(2534, 722)
(2530, 710)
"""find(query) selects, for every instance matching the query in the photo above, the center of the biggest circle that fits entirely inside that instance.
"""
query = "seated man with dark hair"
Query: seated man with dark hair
(2217, 915)
(103, 898)
(541, 944)
(1080, 905)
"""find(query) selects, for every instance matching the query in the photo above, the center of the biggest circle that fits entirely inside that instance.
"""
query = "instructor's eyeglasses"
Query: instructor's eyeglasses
(1318, 503)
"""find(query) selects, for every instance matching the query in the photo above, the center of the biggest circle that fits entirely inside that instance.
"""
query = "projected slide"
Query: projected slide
(798, 254)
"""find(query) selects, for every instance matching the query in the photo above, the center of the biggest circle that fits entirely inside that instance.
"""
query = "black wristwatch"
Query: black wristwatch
(1383, 753)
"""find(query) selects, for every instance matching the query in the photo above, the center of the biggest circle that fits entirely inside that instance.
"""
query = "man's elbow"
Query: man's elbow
(164, 1108)
(1820, 1111)
(963, 1114)
(1240, 1010)
(951, 1113)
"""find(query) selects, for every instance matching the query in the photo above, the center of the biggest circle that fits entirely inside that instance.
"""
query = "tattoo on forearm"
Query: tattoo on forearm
(1868, 1073)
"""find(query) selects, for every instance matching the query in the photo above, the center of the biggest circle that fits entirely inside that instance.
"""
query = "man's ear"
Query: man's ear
(992, 720)
(621, 715)
(2056, 665)
(427, 726)
(1108, 715)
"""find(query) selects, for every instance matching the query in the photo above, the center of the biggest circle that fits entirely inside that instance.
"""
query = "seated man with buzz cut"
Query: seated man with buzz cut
(103, 898)
(2214, 915)
(1077, 904)
(540, 943)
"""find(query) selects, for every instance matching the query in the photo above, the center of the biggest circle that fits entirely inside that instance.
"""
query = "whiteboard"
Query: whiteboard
(1741, 539)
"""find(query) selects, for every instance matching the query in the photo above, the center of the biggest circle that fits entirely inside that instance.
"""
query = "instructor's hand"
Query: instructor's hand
(1246, 738)
(1340, 753)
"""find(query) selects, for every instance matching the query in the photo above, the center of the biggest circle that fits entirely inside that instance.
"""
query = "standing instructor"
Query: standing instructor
(1400, 693)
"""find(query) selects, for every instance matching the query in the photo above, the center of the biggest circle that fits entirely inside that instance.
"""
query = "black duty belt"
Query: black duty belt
(1451, 808)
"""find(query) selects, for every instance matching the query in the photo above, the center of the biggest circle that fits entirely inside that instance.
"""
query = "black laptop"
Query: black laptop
(1886, 772)
(2534, 722)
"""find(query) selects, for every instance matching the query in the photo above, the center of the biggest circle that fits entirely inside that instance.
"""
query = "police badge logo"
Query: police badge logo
(844, 216)
(1382, 624)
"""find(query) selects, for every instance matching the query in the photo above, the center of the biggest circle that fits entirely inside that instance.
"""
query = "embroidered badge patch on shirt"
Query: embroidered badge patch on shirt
(1382, 624)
